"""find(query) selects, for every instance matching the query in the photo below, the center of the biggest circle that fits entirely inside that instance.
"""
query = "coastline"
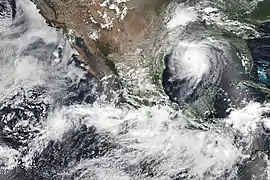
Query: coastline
(105, 29)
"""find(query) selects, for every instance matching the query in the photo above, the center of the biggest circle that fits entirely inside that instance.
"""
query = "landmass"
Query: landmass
(105, 27)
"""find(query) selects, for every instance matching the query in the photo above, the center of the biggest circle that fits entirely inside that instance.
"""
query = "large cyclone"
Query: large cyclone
(202, 68)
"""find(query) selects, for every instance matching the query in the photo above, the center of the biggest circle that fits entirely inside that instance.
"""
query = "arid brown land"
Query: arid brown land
(103, 27)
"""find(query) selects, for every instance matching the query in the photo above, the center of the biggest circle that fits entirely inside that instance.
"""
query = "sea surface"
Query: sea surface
(194, 107)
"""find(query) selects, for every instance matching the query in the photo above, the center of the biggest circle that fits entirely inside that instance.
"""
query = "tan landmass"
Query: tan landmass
(104, 29)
